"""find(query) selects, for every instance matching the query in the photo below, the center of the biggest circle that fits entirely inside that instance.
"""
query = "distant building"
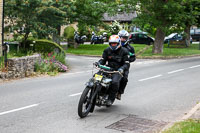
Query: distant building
(123, 18)
(120, 17)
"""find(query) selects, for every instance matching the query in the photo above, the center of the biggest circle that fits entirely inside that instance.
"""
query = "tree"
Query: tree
(161, 15)
(157, 15)
(88, 13)
(20, 14)
(191, 16)
(37, 16)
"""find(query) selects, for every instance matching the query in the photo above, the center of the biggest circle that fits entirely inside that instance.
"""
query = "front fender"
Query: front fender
(90, 83)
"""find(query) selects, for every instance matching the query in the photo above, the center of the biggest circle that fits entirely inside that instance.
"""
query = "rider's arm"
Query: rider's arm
(131, 54)
(126, 63)
(104, 58)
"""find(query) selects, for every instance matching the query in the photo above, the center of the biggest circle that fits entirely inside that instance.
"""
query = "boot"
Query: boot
(118, 96)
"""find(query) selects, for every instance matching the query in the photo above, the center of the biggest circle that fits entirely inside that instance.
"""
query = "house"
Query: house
(120, 17)
(123, 18)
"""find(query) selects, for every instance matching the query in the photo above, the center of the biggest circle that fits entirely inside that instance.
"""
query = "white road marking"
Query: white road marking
(15, 110)
(176, 71)
(194, 66)
(75, 94)
(150, 78)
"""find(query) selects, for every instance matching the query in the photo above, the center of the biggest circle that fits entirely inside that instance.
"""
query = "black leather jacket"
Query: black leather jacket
(131, 52)
(116, 59)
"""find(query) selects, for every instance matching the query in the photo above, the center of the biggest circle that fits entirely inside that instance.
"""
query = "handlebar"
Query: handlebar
(107, 69)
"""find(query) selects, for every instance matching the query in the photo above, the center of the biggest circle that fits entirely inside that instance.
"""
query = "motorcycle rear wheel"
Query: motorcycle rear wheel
(85, 103)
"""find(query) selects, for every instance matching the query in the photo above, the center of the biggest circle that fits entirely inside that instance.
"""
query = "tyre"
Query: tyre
(85, 103)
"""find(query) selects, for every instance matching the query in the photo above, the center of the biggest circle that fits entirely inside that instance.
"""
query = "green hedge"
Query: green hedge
(69, 32)
(45, 46)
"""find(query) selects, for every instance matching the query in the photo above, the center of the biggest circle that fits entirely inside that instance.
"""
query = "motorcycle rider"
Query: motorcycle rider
(117, 58)
(93, 37)
(123, 34)
(79, 39)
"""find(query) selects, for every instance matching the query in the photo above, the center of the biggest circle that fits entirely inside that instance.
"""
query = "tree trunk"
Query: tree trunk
(158, 43)
(25, 39)
(56, 38)
(76, 45)
(187, 37)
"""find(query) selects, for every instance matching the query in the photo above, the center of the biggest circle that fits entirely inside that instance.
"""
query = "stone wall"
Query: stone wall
(20, 67)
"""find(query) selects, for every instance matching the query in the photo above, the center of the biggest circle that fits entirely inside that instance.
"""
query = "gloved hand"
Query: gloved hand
(96, 63)
(121, 70)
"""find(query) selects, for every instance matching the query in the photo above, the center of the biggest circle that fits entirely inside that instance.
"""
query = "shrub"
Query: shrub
(51, 64)
(46, 46)
(115, 27)
(69, 33)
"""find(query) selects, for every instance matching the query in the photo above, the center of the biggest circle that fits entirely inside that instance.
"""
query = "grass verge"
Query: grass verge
(188, 126)
(142, 50)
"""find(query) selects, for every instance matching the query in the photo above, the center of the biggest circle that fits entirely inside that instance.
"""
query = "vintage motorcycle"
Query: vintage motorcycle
(96, 90)
(98, 39)
(79, 39)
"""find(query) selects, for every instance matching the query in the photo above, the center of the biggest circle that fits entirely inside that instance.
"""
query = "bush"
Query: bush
(51, 64)
(46, 46)
(69, 33)
(115, 27)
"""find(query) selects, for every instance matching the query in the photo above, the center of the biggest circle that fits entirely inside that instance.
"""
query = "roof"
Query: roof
(123, 17)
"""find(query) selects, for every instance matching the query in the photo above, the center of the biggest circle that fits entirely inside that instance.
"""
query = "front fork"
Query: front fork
(94, 95)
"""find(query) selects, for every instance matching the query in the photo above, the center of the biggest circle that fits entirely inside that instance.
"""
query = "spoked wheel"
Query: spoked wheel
(85, 103)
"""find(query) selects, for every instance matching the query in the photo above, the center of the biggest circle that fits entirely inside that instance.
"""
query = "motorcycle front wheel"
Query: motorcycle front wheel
(85, 103)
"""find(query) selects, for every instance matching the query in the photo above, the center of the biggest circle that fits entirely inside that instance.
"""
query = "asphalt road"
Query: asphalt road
(158, 91)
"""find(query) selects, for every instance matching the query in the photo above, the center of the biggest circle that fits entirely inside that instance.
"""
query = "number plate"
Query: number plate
(98, 77)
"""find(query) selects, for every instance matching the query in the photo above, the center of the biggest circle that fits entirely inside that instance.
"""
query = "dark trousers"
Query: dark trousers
(123, 82)
(116, 78)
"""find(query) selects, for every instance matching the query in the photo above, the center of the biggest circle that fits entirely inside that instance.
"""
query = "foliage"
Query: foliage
(191, 13)
(188, 126)
(2, 63)
(171, 52)
(20, 13)
(96, 49)
(20, 53)
(42, 18)
(51, 64)
(161, 15)
(115, 27)
(45, 46)
(52, 15)
(88, 13)
(69, 32)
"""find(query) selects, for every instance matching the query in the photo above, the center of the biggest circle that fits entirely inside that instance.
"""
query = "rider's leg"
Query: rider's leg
(123, 82)
(116, 78)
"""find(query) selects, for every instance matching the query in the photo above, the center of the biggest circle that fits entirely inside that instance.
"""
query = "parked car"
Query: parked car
(140, 38)
(175, 37)
(195, 34)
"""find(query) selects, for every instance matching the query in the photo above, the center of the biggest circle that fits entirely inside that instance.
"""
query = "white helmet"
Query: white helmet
(123, 34)
(114, 39)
